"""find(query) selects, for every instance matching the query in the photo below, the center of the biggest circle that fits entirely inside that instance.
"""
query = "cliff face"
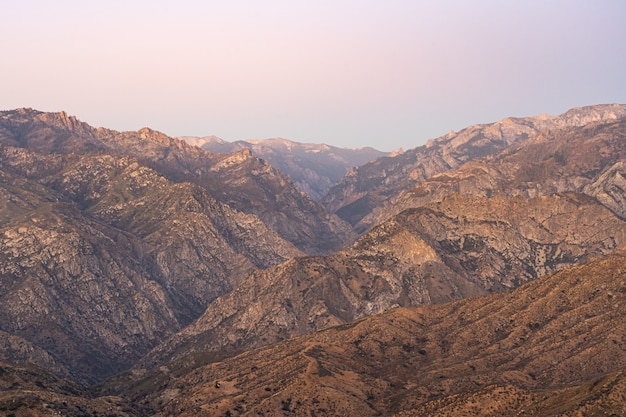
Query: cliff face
(552, 346)
(240, 180)
(458, 248)
(313, 168)
(101, 258)
(368, 189)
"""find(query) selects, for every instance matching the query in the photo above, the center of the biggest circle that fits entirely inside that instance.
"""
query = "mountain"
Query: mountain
(240, 180)
(588, 159)
(314, 168)
(360, 195)
(554, 346)
(101, 258)
(458, 248)
(184, 282)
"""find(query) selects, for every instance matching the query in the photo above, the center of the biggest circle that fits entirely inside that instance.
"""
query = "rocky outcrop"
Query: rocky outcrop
(586, 159)
(360, 195)
(242, 181)
(458, 248)
(313, 168)
(558, 340)
(14, 349)
(101, 258)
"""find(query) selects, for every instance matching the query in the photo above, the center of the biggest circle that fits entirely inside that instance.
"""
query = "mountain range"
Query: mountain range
(240, 180)
(314, 168)
(479, 274)
(370, 189)
(554, 346)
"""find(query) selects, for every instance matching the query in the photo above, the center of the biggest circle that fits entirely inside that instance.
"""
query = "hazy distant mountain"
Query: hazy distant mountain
(361, 194)
(314, 168)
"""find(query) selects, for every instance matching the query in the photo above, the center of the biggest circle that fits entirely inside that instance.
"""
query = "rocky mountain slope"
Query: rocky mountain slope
(554, 346)
(460, 247)
(240, 180)
(314, 168)
(588, 159)
(29, 391)
(101, 258)
(136, 250)
(359, 196)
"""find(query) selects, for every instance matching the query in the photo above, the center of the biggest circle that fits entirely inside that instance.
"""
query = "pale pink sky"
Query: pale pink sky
(386, 74)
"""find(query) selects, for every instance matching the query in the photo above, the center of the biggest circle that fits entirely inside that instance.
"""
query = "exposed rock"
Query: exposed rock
(101, 258)
(458, 248)
(243, 181)
(610, 188)
(14, 349)
(359, 196)
(111, 243)
(558, 339)
(585, 159)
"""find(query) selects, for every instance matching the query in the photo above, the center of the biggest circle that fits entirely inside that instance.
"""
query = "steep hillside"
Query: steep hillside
(588, 159)
(29, 391)
(458, 248)
(240, 180)
(314, 168)
(604, 396)
(101, 258)
(358, 197)
(559, 339)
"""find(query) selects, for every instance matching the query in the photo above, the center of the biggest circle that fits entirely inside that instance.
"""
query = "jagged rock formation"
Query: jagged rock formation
(359, 196)
(101, 258)
(588, 159)
(241, 180)
(559, 338)
(14, 349)
(458, 248)
(313, 168)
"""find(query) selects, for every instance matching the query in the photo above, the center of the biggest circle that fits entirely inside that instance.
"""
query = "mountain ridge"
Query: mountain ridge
(361, 194)
(314, 168)
(101, 258)
(217, 288)
(459, 248)
(242, 181)
(421, 358)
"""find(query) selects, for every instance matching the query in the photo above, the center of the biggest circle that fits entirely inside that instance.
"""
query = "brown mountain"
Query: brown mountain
(240, 180)
(588, 159)
(112, 243)
(101, 258)
(359, 196)
(554, 346)
(314, 168)
(460, 247)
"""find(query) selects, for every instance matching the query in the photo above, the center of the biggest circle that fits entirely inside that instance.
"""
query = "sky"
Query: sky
(388, 74)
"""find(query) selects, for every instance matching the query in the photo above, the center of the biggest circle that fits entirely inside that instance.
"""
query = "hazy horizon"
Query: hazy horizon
(345, 73)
